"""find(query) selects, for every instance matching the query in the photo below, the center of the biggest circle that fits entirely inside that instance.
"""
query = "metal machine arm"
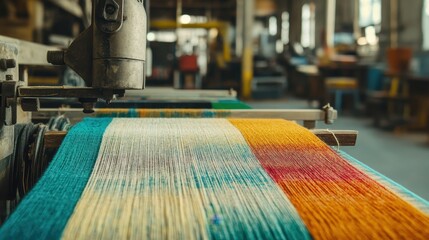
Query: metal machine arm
(111, 53)
(110, 56)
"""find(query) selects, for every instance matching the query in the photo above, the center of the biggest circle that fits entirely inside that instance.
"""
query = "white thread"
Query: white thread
(180, 179)
(335, 137)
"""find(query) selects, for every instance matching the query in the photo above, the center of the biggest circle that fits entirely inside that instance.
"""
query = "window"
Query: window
(285, 28)
(425, 25)
(369, 13)
(308, 29)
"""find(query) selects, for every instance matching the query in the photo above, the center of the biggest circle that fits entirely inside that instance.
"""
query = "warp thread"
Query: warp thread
(207, 178)
(44, 212)
(336, 139)
(334, 199)
(164, 113)
(185, 179)
(404, 193)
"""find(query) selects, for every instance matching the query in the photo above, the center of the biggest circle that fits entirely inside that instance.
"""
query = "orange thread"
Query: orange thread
(334, 199)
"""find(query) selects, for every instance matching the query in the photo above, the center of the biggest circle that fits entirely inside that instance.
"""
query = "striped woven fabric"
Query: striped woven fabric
(210, 179)
(163, 113)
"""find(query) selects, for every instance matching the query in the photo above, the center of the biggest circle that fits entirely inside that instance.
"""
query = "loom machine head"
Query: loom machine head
(110, 56)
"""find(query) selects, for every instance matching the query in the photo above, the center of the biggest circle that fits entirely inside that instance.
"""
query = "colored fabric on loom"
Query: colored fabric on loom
(163, 113)
(44, 212)
(220, 110)
(404, 193)
(230, 104)
(173, 183)
(207, 178)
(334, 199)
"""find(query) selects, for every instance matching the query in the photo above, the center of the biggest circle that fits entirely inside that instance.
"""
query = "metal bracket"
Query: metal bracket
(8, 108)
(330, 114)
(68, 92)
(110, 15)
(6, 64)
(87, 96)
(8, 103)
(78, 56)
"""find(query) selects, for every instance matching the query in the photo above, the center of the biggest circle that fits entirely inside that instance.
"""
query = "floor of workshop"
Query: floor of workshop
(403, 157)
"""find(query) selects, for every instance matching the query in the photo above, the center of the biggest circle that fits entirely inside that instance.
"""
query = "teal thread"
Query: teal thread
(44, 213)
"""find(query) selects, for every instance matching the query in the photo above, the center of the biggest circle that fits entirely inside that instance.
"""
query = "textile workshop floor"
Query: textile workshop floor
(207, 179)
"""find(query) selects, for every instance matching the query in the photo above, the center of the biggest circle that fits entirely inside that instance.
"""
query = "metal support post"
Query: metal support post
(247, 59)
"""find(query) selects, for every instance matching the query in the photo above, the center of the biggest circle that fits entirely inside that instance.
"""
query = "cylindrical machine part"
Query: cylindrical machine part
(119, 50)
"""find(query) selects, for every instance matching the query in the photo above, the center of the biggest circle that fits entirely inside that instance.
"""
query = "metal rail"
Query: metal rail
(309, 117)
(331, 138)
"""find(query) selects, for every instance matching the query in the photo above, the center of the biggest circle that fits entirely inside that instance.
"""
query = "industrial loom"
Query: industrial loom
(134, 173)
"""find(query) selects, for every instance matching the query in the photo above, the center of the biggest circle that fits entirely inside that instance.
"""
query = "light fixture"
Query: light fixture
(185, 19)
